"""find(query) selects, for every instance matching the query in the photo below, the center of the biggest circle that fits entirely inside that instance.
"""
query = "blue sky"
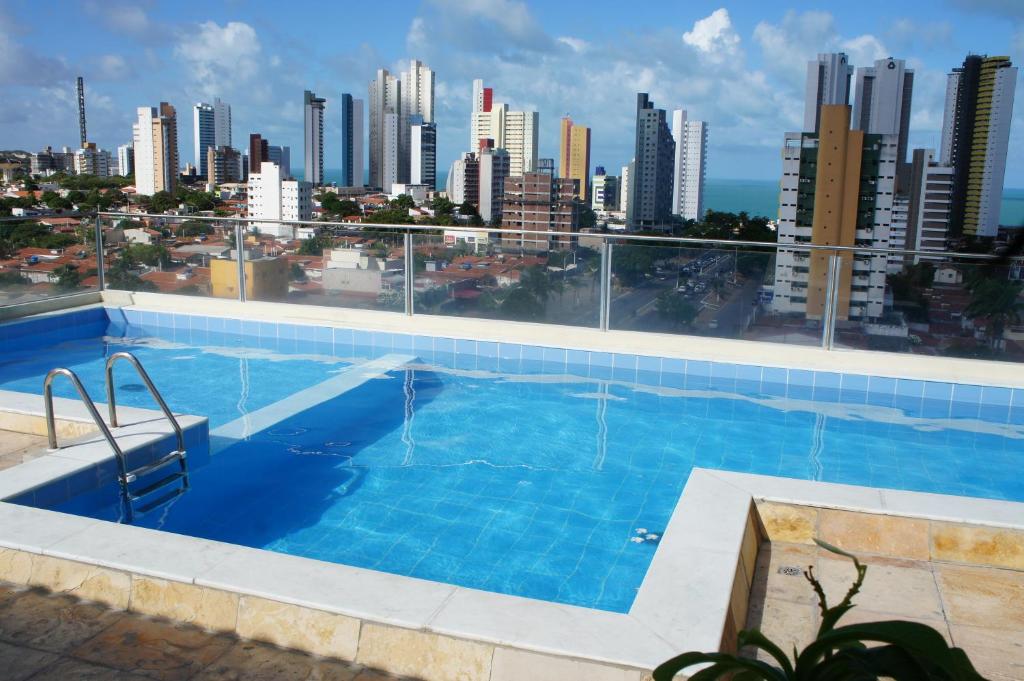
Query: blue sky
(738, 65)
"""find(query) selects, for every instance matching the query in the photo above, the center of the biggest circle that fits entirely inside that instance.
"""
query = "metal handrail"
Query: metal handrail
(51, 429)
(607, 237)
(112, 406)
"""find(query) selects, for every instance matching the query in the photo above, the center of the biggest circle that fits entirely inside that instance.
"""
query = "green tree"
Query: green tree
(389, 216)
(296, 273)
(402, 202)
(161, 202)
(315, 245)
(13, 278)
(66, 278)
(535, 280)
(520, 304)
(467, 208)
(442, 205)
(194, 228)
(588, 218)
(120, 276)
(997, 301)
(673, 308)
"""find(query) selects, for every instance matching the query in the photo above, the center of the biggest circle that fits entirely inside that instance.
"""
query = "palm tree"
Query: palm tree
(997, 301)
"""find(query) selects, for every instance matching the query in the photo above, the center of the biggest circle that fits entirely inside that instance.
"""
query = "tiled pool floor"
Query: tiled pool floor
(49, 637)
(979, 609)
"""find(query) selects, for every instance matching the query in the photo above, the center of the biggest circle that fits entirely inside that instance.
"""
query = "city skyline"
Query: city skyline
(739, 68)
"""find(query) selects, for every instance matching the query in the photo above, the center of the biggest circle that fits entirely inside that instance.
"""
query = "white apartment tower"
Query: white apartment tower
(125, 159)
(417, 103)
(828, 82)
(390, 151)
(271, 197)
(624, 187)
(690, 166)
(385, 95)
(155, 140)
(313, 139)
(881, 105)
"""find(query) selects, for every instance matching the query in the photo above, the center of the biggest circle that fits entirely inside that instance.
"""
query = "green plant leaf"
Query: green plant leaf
(919, 640)
(722, 664)
(753, 637)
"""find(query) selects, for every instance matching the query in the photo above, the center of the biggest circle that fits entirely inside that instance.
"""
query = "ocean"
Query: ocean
(761, 197)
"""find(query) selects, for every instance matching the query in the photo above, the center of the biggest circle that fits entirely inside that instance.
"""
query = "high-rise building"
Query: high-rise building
(605, 191)
(625, 187)
(975, 138)
(423, 152)
(259, 151)
(539, 202)
(546, 166)
(828, 82)
(203, 134)
(125, 159)
(221, 123)
(313, 144)
(574, 163)
(650, 179)
(385, 93)
(464, 180)
(282, 156)
(273, 197)
(483, 101)
(90, 160)
(494, 168)
(225, 165)
(931, 203)
(155, 138)
(837, 190)
(881, 106)
(351, 141)
(689, 166)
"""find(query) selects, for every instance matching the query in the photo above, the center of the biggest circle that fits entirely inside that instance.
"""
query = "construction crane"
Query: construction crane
(81, 110)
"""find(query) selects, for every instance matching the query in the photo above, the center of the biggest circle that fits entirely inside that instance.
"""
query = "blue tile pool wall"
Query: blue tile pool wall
(925, 399)
(49, 329)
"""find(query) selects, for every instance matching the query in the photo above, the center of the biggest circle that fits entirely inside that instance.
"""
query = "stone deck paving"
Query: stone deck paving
(48, 637)
(979, 609)
(17, 448)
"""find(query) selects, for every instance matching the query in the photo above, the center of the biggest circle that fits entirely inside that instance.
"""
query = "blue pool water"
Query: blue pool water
(505, 478)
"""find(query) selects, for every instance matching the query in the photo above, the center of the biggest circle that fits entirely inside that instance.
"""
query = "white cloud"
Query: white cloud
(575, 44)
(112, 67)
(220, 58)
(20, 65)
(714, 36)
(864, 49)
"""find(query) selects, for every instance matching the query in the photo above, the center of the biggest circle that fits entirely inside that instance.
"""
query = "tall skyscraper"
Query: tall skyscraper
(975, 138)
(604, 195)
(690, 166)
(574, 162)
(650, 198)
(155, 138)
(417, 100)
(483, 101)
(423, 152)
(539, 202)
(625, 186)
(225, 165)
(351, 141)
(282, 156)
(313, 144)
(881, 106)
(126, 159)
(853, 178)
(931, 195)
(828, 82)
(259, 151)
(221, 123)
(203, 131)
(385, 93)
(494, 168)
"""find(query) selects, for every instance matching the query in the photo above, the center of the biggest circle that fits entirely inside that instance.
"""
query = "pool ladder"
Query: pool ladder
(170, 486)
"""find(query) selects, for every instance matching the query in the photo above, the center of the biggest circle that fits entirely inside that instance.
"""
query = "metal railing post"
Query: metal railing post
(410, 274)
(828, 317)
(240, 254)
(606, 284)
(100, 281)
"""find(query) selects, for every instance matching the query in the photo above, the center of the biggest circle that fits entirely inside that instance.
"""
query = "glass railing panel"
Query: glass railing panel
(948, 307)
(46, 257)
(328, 266)
(172, 254)
(517, 277)
(712, 291)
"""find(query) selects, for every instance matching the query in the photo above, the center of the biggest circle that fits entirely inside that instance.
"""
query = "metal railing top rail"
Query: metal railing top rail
(30, 218)
(606, 236)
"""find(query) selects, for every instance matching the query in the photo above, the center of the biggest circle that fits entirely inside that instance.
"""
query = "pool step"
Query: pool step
(159, 502)
(171, 486)
(142, 471)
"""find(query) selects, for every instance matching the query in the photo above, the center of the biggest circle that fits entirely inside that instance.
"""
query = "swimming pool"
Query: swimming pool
(539, 472)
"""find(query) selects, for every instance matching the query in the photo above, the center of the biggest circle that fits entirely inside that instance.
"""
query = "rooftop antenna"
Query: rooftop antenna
(81, 110)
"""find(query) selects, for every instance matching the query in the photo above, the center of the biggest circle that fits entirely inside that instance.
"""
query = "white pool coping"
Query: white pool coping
(682, 604)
